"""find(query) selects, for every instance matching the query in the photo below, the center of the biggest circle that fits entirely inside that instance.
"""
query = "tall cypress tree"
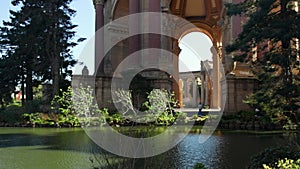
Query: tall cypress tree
(13, 49)
(59, 32)
(39, 38)
(272, 30)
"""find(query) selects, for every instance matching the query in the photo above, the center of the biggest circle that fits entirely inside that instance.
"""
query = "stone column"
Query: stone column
(216, 95)
(220, 56)
(99, 41)
(176, 87)
(203, 83)
(99, 6)
(154, 26)
(134, 27)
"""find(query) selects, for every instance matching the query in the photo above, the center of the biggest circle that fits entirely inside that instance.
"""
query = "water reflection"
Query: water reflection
(71, 148)
(224, 151)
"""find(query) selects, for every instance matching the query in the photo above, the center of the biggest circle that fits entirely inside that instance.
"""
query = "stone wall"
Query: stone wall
(237, 90)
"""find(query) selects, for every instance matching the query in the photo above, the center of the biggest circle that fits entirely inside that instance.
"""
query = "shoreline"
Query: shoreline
(196, 129)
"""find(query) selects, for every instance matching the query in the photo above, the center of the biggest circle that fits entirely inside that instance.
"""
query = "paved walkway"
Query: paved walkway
(192, 111)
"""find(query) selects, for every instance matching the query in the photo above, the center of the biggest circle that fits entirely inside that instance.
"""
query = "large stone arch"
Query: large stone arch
(198, 29)
(119, 8)
(206, 15)
(202, 76)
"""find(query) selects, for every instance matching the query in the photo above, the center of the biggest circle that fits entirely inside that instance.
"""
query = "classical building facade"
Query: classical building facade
(206, 16)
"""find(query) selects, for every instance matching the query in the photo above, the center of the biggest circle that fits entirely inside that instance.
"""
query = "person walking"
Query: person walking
(200, 106)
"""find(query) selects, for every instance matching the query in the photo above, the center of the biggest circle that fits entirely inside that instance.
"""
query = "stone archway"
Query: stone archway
(206, 15)
(195, 68)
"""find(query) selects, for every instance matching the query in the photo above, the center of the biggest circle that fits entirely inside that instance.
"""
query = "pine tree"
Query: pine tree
(271, 31)
(7, 81)
(13, 60)
(59, 32)
(38, 41)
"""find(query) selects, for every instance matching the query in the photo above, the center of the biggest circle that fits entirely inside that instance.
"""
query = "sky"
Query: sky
(194, 46)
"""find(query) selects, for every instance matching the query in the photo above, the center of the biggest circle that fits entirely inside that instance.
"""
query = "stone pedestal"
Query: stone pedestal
(103, 92)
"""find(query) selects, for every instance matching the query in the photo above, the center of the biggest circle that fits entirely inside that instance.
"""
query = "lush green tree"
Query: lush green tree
(58, 33)
(7, 81)
(37, 41)
(268, 42)
(13, 64)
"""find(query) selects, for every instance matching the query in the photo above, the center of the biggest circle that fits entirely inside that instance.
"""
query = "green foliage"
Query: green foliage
(51, 120)
(86, 108)
(71, 108)
(160, 104)
(199, 166)
(158, 107)
(7, 81)
(124, 99)
(276, 67)
(63, 103)
(34, 118)
(35, 45)
(206, 107)
(78, 106)
(37, 92)
(160, 101)
(31, 106)
(12, 113)
(275, 98)
(271, 155)
(181, 116)
(246, 116)
(165, 119)
(116, 118)
(285, 164)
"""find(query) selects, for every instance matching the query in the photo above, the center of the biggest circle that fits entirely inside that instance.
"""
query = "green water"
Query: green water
(41, 148)
(44, 148)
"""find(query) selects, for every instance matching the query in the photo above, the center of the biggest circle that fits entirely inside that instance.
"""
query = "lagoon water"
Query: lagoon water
(44, 148)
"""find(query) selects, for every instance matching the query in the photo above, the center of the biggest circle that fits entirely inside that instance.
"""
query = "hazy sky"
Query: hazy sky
(195, 46)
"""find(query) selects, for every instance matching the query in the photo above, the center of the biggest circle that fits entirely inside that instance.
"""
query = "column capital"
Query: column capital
(220, 49)
(98, 2)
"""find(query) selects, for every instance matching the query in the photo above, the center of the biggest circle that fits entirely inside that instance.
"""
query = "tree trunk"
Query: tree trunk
(29, 91)
(56, 75)
(56, 58)
(23, 89)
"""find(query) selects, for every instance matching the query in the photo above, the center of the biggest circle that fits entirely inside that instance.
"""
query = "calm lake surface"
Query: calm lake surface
(40, 148)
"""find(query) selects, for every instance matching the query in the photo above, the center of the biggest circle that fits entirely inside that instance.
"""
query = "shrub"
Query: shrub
(158, 107)
(247, 115)
(71, 108)
(199, 166)
(271, 155)
(285, 164)
(12, 113)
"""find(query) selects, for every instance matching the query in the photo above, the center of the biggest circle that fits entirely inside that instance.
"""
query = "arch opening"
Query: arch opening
(195, 67)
